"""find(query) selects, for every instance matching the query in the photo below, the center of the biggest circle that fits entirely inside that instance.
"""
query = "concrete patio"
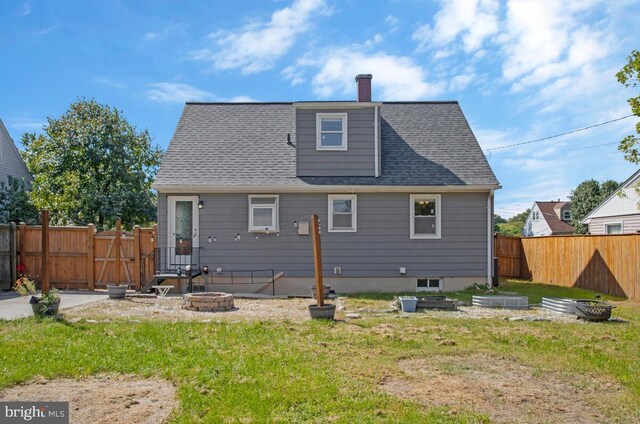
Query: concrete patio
(13, 306)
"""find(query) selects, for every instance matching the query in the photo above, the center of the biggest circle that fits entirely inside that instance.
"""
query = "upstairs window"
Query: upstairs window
(263, 213)
(425, 216)
(536, 215)
(331, 131)
(566, 215)
(342, 213)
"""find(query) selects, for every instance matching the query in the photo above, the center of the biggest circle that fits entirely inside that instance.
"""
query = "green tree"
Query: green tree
(497, 219)
(629, 76)
(15, 204)
(514, 225)
(586, 196)
(92, 166)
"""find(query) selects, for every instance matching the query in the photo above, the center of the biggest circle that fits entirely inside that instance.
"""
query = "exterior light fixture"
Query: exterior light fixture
(289, 140)
(200, 204)
(295, 224)
(205, 269)
(209, 239)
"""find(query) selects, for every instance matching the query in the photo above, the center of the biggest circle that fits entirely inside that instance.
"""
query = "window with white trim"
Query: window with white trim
(566, 215)
(343, 213)
(613, 228)
(429, 284)
(263, 213)
(425, 216)
(331, 131)
(536, 215)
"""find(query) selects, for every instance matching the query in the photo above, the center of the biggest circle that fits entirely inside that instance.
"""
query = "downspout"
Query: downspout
(489, 237)
(376, 142)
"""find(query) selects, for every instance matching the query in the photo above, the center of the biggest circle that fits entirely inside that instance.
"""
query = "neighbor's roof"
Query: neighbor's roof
(553, 220)
(226, 145)
(630, 202)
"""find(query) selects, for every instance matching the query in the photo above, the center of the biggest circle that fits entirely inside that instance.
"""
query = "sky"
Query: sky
(521, 69)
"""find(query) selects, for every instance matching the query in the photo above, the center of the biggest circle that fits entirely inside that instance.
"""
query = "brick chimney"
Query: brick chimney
(364, 87)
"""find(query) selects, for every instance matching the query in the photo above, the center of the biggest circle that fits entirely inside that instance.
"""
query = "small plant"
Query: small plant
(45, 305)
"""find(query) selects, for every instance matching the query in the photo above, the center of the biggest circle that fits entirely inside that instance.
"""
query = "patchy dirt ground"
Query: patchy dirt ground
(108, 400)
(503, 389)
(170, 308)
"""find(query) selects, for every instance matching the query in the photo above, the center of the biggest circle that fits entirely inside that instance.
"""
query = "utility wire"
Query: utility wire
(558, 151)
(561, 134)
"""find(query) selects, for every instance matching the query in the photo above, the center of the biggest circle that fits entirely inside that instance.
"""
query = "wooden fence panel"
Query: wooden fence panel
(83, 259)
(508, 250)
(6, 276)
(608, 264)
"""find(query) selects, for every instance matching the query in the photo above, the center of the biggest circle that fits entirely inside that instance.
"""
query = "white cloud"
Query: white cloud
(168, 92)
(392, 22)
(257, 46)
(109, 82)
(24, 10)
(24, 123)
(294, 75)
(394, 77)
(163, 33)
(472, 21)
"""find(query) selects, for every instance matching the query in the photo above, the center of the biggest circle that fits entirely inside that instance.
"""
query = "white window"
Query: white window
(566, 215)
(343, 213)
(425, 216)
(263, 213)
(613, 228)
(331, 131)
(536, 215)
(429, 284)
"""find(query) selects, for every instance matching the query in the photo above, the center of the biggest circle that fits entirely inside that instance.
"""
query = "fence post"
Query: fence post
(22, 234)
(317, 258)
(44, 256)
(13, 253)
(91, 254)
(137, 270)
(118, 247)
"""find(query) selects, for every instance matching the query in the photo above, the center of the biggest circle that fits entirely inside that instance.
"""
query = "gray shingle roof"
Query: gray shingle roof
(244, 144)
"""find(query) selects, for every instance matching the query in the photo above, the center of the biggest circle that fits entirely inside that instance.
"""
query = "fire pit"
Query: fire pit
(593, 310)
(208, 302)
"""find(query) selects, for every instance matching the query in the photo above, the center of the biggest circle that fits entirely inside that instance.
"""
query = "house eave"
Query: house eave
(335, 105)
(201, 188)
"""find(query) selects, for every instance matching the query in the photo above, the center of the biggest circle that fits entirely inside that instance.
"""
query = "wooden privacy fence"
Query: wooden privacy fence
(8, 237)
(80, 258)
(607, 264)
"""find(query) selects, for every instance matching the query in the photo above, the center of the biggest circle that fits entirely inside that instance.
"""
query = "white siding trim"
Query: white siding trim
(354, 212)
(412, 200)
(376, 132)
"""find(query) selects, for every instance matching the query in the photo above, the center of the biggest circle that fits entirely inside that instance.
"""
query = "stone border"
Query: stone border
(208, 302)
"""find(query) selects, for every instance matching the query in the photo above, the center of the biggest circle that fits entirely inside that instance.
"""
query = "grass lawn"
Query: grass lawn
(327, 371)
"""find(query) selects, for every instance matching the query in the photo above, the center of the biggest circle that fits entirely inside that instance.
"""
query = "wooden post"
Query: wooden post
(13, 253)
(317, 258)
(118, 248)
(22, 235)
(44, 256)
(137, 270)
(91, 256)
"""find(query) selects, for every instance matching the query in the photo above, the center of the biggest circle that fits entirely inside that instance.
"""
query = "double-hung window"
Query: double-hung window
(536, 215)
(425, 216)
(331, 131)
(342, 213)
(263, 213)
(566, 215)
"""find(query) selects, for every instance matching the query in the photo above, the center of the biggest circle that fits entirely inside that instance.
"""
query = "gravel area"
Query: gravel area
(170, 309)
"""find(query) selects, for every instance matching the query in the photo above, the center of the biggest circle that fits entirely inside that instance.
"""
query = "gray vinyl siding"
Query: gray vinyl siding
(379, 247)
(11, 163)
(630, 224)
(357, 161)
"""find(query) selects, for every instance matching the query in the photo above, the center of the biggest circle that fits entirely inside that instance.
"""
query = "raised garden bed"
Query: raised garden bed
(559, 304)
(438, 302)
(501, 301)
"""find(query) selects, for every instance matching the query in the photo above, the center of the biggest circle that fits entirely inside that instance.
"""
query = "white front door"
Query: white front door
(183, 222)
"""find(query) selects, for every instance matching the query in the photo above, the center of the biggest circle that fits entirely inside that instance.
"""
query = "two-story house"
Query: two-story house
(548, 219)
(11, 163)
(403, 192)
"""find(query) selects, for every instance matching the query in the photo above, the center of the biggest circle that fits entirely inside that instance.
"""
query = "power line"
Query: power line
(558, 151)
(561, 134)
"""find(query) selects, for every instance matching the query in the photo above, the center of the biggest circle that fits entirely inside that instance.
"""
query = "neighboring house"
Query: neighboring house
(11, 163)
(403, 192)
(548, 219)
(618, 213)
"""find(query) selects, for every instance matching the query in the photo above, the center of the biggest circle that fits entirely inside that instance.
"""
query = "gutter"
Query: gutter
(376, 140)
(489, 237)
(325, 188)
